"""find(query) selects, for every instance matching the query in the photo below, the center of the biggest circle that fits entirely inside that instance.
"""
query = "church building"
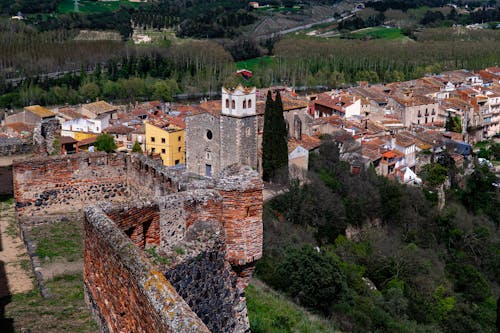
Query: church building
(223, 133)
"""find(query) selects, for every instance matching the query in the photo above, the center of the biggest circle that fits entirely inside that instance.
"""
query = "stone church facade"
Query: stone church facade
(223, 133)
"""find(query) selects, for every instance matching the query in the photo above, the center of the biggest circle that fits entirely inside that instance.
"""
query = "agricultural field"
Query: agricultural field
(86, 6)
(377, 33)
(255, 63)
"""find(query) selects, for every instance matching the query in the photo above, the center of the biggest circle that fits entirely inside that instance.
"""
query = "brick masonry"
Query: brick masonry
(137, 204)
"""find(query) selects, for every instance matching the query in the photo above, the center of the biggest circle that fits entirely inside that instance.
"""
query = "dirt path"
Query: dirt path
(13, 277)
(62, 267)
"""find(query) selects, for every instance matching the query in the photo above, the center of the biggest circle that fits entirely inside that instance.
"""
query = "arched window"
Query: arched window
(233, 105)
(244, 104)
(249, 103)
(227, 103)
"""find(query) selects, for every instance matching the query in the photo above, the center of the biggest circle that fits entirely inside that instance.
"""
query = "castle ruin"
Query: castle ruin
(164, 251)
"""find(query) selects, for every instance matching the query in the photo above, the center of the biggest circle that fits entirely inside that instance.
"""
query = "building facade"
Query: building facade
(168, 141)
(223, 133)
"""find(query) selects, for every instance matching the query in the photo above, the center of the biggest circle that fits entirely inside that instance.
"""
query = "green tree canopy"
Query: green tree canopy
(274, 141)
(136, 148)
(105, 142)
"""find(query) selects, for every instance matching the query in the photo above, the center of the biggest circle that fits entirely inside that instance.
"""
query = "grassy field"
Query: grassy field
(378, 33)
(255, 63)
(269, 312)
(66, 311)
(61, 240)
(86, 6)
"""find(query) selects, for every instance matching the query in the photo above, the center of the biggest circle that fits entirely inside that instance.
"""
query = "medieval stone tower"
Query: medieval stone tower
(223, 133)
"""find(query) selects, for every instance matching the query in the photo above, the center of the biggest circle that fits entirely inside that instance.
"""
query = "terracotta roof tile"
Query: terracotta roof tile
(99, 107)
(40, 111)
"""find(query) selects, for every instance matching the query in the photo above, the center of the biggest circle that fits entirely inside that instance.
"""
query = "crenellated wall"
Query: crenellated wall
(66, 184)
(122, 288)
(206, 235)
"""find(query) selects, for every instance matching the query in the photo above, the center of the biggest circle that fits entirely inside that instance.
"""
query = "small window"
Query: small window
(227, 103)
(177, 162)
(247, 130)
(208, 155)
(209, 135)
(163, 151)
(152, 139)
(179, 138)
(153, 150)
(233, 104)
(249, 103)
(162, 140)
(244, 104)
(179, 149)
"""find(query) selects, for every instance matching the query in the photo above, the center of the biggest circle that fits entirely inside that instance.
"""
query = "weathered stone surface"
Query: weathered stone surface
(124, 289)
(14, 146)
(209, 231)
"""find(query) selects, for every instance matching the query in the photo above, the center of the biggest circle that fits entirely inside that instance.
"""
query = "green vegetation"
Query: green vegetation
(136, 148)
(105, 142)
(407, 267)
(88, 6)
(66, 311)
(454, 124)
(269, 311)
(274, 141)
(377, 33)
(255, 63)
(59, 240)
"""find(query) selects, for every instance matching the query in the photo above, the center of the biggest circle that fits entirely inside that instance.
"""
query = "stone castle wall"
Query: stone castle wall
(216, 222)
(122, 287)
(66, 184)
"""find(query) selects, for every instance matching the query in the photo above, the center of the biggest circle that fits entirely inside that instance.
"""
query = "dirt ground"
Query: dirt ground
(14, 261)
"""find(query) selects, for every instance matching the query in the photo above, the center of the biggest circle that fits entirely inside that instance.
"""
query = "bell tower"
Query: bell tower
(238, 102)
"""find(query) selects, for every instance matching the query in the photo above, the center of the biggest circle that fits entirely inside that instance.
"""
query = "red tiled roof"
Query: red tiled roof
(87, 141)
(20, 127)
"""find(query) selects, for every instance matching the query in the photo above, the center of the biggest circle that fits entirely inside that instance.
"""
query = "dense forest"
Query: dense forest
(201, 66)
(405, 267)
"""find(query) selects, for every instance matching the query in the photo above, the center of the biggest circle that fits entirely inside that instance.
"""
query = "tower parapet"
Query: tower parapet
(239, 102)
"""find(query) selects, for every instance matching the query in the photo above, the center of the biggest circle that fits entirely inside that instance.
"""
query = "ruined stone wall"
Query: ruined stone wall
(14, 146)
(208, 284)
(45, 134)
(124, 291)
(148, 178)
(66, 184)
(140, 223)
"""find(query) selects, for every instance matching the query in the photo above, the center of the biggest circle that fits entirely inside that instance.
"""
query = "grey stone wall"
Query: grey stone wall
(44, 135)
(14, 146)
(198, 145)
(207, 283)
(238, 141)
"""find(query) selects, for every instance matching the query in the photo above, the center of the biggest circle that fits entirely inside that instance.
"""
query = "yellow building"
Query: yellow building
(166, 140)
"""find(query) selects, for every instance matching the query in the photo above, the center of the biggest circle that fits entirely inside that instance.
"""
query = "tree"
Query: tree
(136, 148)
(274, 141)
(453, 124)
(315, 279)
(90, 91)
(105, 142)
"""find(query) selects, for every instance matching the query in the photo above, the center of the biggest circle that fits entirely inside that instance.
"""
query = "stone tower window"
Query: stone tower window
(227, 103)
(247, 131)
(244, 104)
(209, 135)
(233, 105)
(249, 103)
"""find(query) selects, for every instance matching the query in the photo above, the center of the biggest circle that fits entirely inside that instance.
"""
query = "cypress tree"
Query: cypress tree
(267, 139)
(281, 140)
(274, 140)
